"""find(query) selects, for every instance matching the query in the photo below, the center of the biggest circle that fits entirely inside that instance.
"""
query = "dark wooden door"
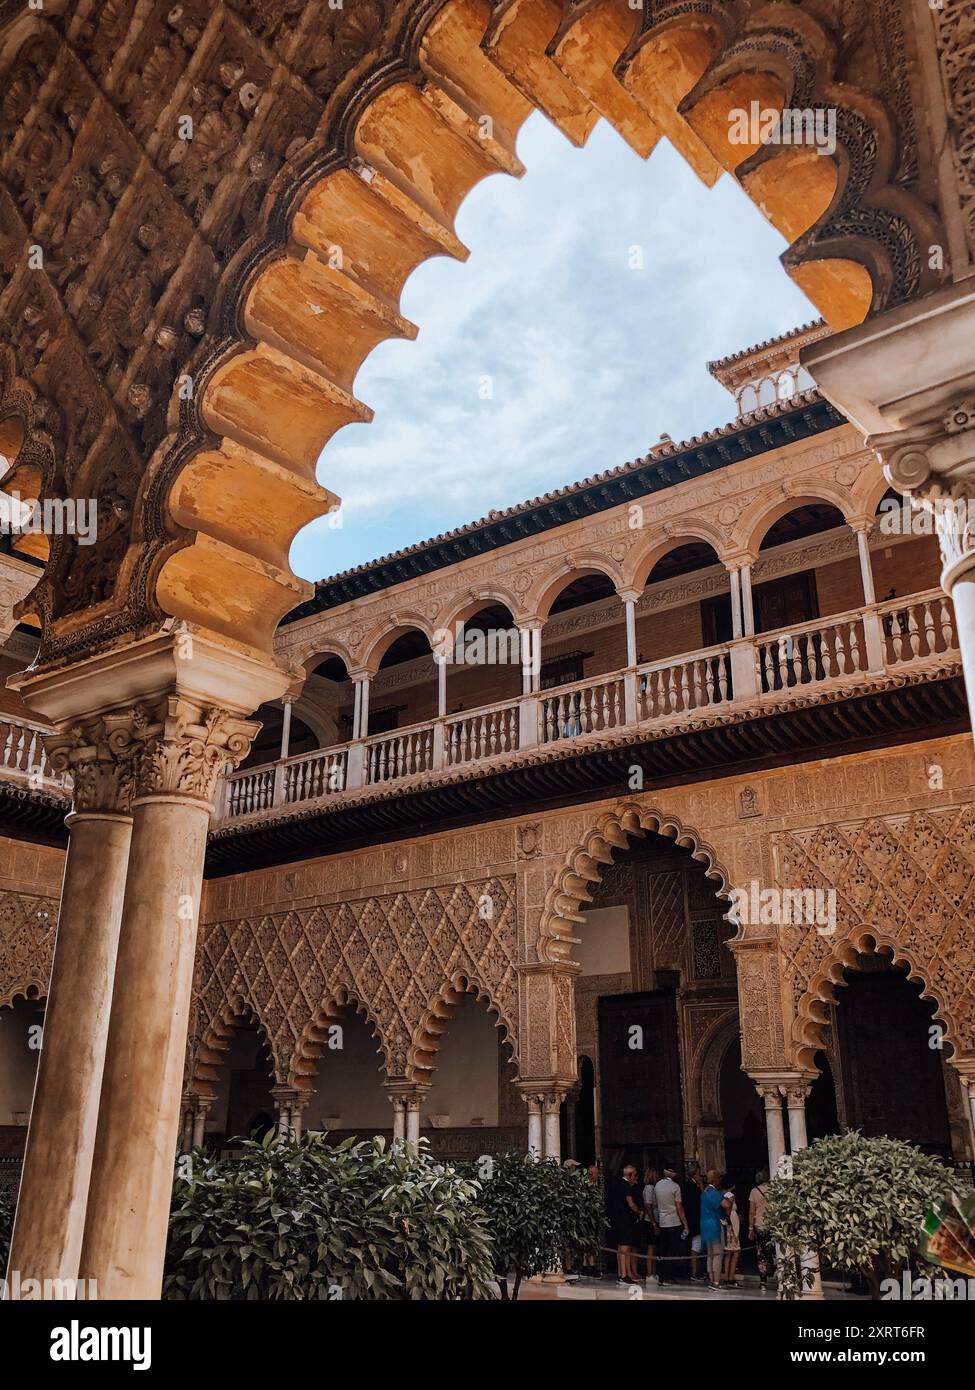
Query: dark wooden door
(893, 1081)
(785, 602)
(639, 1065)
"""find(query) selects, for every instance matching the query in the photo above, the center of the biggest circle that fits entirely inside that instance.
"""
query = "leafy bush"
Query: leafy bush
(537, 1211)
(309, 1220)
(859, 1202)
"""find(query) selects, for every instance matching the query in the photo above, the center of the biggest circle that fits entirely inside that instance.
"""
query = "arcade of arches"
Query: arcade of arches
(183, 321)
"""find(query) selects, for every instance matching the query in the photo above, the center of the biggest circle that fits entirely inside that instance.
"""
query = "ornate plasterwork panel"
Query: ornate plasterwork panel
(393, 955)
(27, 930)
(907, 880)
(955, 29)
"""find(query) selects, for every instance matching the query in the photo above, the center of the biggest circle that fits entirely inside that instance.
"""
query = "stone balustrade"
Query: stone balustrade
(22, 756)
(841, 652)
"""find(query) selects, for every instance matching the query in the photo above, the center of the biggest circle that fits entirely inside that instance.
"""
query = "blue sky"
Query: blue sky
(547, 356)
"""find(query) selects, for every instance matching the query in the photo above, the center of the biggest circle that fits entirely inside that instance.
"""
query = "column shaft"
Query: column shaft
(50, 1218)
(866, 568)
(774, 1126)
(631, 653)
(735, 603)
(286, 730)
(747, 606)
(132, 1170)
(535, 1145)
(364, 710)
(553, 1133)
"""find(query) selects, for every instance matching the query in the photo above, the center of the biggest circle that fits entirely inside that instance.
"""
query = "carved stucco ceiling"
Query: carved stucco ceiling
(127, 252)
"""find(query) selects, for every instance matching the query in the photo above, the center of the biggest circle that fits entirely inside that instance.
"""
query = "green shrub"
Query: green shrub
(309, 1220)
(858, 1202)
(537, 1211)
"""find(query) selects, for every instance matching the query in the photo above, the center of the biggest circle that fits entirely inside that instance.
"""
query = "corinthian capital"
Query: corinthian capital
(182, 747)
(99, 754)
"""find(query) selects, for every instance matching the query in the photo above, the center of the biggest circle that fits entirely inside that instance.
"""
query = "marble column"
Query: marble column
(412, 1103)
(862, 532)
(551, 1110)
(629, 607)
(795, 1093)
(184, 747)
(49, 1225)
(200, 1112)
(774, 1127)
(176, 702)
(286, 728)
(736, 626)
(747, 603)
(364, 708)
(535, 1134)
(399, 1117)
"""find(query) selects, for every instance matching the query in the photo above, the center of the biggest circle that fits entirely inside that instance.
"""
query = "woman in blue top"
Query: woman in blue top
(712, 1202)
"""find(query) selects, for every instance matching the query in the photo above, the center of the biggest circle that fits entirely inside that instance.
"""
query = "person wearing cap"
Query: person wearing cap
(672, 1225)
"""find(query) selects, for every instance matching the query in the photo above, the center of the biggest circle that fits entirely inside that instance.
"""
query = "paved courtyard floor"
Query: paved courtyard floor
(588, 1290)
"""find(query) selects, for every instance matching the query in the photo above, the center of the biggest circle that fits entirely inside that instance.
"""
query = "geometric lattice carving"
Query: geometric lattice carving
(707, 946)
(392, 956)
(909, 882)
(27, 928)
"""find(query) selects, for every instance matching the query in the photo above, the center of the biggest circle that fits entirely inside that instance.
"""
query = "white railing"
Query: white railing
(22, 756)
(586, 707)
(401, 754)
(812, 652)
(251, 791)
(481, 734)
(315, 774)
(684, 683)
(835, 650)
(917, 627)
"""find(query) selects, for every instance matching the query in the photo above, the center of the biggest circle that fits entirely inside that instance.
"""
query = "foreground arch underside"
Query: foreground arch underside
(231, 433)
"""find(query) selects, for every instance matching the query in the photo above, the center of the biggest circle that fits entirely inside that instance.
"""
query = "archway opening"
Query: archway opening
(243, 1105)
(743, 1121)
(896, 1079)
(484, 665)
(348, 1099)
(655, 977)
(472, 1106)
(21, 1035)
(668, 622)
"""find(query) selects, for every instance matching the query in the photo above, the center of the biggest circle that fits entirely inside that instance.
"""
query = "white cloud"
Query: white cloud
(589, 361)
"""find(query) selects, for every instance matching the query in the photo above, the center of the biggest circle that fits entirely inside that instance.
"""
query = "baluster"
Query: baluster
(930, 638)
(914, 635)
(946, 629)
(784, 661)
(724, 677)
(698, 683)
(896, 634)
(854, 647)
(685, 687)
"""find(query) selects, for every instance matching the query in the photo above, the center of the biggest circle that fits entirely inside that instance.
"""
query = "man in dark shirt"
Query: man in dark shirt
(625, 1212)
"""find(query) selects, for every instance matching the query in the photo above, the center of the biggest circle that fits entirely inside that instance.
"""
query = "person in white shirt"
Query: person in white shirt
(672, 1224)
